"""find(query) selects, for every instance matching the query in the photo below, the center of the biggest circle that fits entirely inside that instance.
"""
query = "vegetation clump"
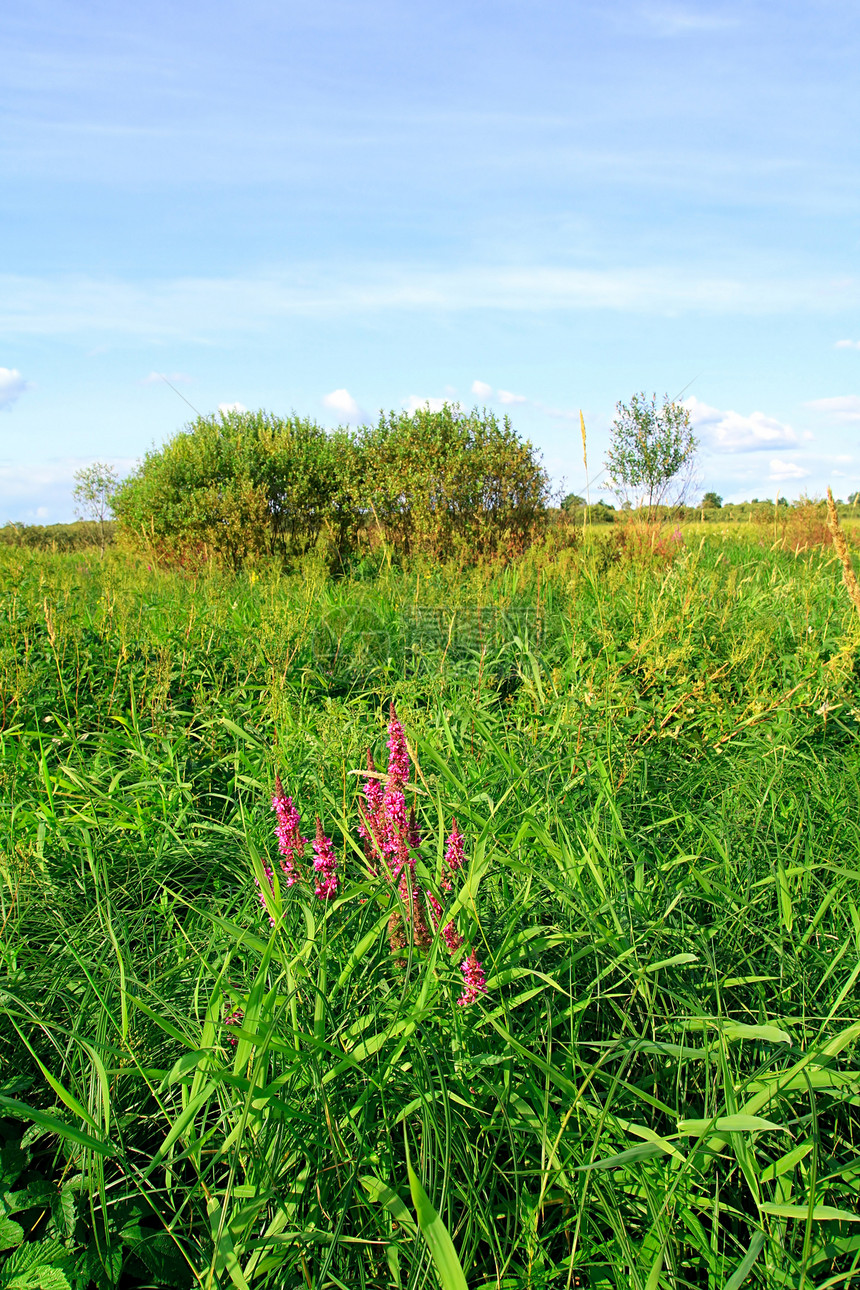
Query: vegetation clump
(239, 486)
(647, 907)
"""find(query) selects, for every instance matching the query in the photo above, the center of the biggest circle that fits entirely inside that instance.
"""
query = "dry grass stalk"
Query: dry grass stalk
(840, 543)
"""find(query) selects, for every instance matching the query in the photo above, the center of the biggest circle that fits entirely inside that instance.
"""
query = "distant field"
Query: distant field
(657, 773)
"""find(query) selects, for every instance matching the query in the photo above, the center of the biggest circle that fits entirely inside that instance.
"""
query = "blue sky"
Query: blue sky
(336, 207)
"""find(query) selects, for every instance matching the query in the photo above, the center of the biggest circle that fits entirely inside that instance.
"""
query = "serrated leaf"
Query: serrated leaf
(65, 1213)
(11, 1234)
(52, 1279)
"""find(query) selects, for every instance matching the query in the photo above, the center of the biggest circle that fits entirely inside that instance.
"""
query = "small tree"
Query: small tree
(711, 502)
(652, 452)
(94, 490)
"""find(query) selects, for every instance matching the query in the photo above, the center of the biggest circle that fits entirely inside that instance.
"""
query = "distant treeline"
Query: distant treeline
(80, 536)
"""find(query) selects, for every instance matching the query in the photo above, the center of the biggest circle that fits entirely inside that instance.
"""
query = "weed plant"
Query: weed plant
(655, 772)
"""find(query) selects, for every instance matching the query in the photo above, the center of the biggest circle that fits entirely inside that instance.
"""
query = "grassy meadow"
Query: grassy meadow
(657, 772)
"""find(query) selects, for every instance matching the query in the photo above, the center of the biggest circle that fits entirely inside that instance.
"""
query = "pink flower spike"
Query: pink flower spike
(291, 844)
(325, 864)
(398, 754)
(450, 935)
(475, 982)
(453, 855)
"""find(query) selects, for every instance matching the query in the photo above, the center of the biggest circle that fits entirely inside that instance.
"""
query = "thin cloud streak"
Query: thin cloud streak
(199, 308)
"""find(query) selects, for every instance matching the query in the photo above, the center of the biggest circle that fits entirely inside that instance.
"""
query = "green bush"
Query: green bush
(242, 485)
(444, 483)
(232, 486)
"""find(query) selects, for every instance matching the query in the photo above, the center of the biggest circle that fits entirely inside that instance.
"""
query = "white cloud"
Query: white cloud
(416, 404)
(342, 402)
(12, 386)
(505, 396)
(848, 344)
(41, 492)
(844, 407)
(785, 470)
(226, 408)
(733, 432)
(482, 389)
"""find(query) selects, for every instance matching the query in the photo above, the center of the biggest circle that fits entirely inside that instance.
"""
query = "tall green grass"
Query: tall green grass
(657, 774)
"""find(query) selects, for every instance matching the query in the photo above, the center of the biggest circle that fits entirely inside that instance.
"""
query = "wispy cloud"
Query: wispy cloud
(508, 397)
(482, 389)
(843, 408)
(12, 386)
(848, 344)
(733, 432)
(785, 470)
(682, 20)
(200, 309)
(226, 408)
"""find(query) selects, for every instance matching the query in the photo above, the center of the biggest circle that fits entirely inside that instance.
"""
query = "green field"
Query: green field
(656, 772)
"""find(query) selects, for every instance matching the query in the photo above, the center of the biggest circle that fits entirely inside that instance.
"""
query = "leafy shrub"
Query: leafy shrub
(233, 486)
(448, 482)
(242, 485)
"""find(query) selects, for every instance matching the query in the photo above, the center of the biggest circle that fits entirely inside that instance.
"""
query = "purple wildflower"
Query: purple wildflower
(371, 825)
(475, 982)
(291, 844)
(325, 864)
(235, 1018)
(453, 855)
(450, 935)
(398, 754)
(411, 897)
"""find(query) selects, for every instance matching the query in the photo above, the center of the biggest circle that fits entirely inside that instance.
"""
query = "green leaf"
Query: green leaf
(11, 1234)
(771, 1034)
(436, 1235)
(379, 1191)
(52, 1125)
(727, 1124)
(744, 1268)
(646, 1151)
(821, 1213)
(52, 1279)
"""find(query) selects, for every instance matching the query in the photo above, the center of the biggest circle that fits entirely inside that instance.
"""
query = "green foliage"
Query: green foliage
(652, 450)
(58, 538)
(450, 483)
(244, 485)
(233, 486)
(711, 502)
(657, 771)
(94, 491)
